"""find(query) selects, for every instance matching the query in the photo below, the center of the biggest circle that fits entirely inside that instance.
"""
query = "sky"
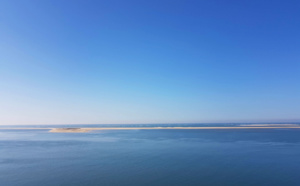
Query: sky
(142, 61)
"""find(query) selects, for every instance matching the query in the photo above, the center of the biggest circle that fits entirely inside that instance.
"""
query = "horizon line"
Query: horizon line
(165, 123)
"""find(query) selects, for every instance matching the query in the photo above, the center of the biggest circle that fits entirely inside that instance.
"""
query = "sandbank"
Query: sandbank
(83, 130)
(270, 125)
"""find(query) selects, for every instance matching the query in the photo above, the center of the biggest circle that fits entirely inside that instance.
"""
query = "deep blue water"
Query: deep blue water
(151, 157)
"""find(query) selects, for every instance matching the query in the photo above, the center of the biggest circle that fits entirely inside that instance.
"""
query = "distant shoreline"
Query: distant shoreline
(84, 130)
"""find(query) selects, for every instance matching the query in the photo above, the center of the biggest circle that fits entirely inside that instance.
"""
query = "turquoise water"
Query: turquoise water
(150, 157)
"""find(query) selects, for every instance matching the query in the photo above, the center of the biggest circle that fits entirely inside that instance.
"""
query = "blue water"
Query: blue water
(150, 157)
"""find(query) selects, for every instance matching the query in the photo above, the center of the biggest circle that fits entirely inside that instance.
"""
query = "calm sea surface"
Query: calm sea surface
(245, 157)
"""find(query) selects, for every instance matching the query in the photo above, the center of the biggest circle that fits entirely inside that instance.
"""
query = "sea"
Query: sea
(231, 157)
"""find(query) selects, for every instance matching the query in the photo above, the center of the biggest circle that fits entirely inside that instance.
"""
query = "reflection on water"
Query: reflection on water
(150, 157)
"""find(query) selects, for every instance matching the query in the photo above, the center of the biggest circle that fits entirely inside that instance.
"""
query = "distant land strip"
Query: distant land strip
(83, 130)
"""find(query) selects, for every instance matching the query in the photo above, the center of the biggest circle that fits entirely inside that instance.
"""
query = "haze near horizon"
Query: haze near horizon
(113, 61)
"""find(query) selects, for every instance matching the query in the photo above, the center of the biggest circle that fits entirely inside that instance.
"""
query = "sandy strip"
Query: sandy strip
(269, 125)
(70, 130)
(65, 130)
(82, 130)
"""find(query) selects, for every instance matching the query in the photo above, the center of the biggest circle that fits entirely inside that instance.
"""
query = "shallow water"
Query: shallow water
(150, 157)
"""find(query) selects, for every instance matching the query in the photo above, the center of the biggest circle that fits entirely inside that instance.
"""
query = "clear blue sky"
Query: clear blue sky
(154, 61)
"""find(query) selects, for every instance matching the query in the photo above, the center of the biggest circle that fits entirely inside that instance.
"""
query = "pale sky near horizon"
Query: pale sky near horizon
(158, 61)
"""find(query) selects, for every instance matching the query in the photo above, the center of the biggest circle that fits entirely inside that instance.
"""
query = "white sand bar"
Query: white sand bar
(82, 130)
